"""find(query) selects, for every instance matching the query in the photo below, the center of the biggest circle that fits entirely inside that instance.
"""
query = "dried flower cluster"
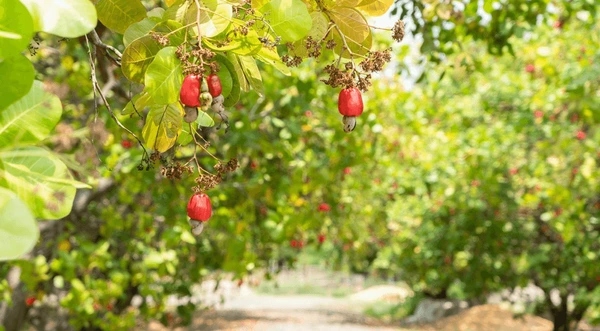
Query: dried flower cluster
(205, 57)
(175, 171)
(343, 73)
(291, 61)
(398, 31)
(338, 77)
(160, 38)
(207, 181)
(376, 60)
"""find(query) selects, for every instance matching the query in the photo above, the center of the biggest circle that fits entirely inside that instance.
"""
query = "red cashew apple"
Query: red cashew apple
(199, 210)
(29, 301)
(126, 143)
(324, 207)
(189, 94)
(350, 105)
(214, 85)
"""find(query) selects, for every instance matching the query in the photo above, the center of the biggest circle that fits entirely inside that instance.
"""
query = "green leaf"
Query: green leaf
(18, 228)
(68, 19)
(40, 179)
(137, 57)
(31, 119)
(184, 137)
(17, 75)
(215, 17)
(288, 18)
(164, 77)
(242, 45)
(177, 13)
(252, 73)
(118, 15)
(137, 103)
(270, 56)
(231, 94)
(204, 120)
(318, 31)
(163, 125)
(16, 28)
(224, 75)
(139, 29)
(173, 28)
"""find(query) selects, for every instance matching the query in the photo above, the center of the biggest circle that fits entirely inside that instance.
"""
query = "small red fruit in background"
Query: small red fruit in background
(574, 118)
(538, 114)
(253, 165)
(29, 301)
(580, 135)
(324, 207)
(294, 243)
(350, 105)
(557, 24)
(308, 113)
(513, 171)
(530, 68)
(321, 238)
(447, 260)
(214, 85)
(126, 143)
(558, 212)
(347, 171)
(189, 94)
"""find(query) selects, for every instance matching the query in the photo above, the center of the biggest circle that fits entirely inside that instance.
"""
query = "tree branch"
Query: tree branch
(110, 51)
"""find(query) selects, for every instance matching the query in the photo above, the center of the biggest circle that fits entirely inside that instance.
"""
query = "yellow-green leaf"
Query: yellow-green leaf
(137, 57)
(352, 29)
(164, 77)
(318, 31)
(18, 229)
(288, 18)
(40, 179)
(31, 118)
(270, 56)
(162, 127)
(67, 19)
(252, 73)
(375, 7)
(118, 15)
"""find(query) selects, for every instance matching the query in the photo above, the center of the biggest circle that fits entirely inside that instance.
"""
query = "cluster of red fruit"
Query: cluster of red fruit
(199, 210)
(299, 244)
(204, 93)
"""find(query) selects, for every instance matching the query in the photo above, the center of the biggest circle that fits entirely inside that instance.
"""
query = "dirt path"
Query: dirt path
(253, 311)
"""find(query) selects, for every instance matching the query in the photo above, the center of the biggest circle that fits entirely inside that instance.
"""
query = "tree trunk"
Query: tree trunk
(13, 316)
(565, 320)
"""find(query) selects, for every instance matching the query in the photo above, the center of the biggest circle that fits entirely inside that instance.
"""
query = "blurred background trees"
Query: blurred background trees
(480, 175)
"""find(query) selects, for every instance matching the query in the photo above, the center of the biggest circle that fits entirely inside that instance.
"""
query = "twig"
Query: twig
(113, 53)
(98, 90)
